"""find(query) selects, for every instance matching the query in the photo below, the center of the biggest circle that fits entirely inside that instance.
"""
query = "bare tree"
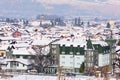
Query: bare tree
(43, 57)
(116, 63)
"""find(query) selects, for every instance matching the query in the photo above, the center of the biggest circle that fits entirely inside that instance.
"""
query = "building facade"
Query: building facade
(97, 57)
(71, 57)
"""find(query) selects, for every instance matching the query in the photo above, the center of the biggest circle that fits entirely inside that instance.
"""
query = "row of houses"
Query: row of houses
(47, 49)
(65, 52)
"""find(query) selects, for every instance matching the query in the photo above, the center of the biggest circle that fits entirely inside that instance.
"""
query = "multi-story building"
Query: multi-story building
(20, 59)
(69, 53)
(97, 55)
(72, 53)
(71, 57)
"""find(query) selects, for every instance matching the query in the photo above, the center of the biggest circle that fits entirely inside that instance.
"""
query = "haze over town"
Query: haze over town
(31, 8)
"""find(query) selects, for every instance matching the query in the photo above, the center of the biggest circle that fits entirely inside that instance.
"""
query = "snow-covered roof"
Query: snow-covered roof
(46, 22)
(69, 41)
(9, 38)
(43, 41)
(21, 45)
(23, 51)
(3, 47)
(3, 62)
(102, 43)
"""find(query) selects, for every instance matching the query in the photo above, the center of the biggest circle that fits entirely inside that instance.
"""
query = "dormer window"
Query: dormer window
(71, 52)
(78, 53)
(68, 39)
(63, 52)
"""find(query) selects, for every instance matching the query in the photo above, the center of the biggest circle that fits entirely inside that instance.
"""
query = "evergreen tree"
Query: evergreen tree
(9, 48)
(108, 25)
(82, 23)
(75, 21)
(88, 24)
(82, 67)
(52, 23)
(89, 44)
(25, 22)
(79, 21)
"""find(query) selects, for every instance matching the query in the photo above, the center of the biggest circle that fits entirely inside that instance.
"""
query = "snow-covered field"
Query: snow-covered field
(38, 77)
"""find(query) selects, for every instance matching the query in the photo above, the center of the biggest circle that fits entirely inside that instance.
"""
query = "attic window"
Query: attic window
(78, 53)
(68, 39)
(63, 52)
(64, 45)
(71, 52)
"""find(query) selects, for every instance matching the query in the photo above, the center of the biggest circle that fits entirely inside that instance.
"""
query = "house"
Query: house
(18, 65)
(69, 53)
(2, 53)
(22, 59)
(16, 34)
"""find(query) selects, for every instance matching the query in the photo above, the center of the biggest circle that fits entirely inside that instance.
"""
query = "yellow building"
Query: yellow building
(3, 53)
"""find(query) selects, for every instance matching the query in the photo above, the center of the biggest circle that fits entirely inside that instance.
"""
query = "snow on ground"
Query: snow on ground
(38, 77)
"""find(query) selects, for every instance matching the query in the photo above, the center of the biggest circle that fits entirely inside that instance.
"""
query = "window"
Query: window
(92, 54)
(71, 62)
(53, 46)
(25, 56)
(17, 64)
(71, 56)
(78, 53)
(71, 52)
(63, 52)
(63, 62)
(54, 51)
(92, 59)
(14, 64)
(17, 56)
(63, 56)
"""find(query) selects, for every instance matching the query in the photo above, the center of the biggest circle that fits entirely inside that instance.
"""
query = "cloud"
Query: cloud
(108, 7)
(95, 7)
(53, 1)
(68, 2)
(80, 3)
(48, 7)
(114, 2)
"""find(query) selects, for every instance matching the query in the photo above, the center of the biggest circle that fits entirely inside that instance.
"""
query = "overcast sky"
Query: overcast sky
(31, 8)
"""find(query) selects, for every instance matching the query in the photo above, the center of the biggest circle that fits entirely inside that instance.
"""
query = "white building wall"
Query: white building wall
(66, 60)
(71, 61)
(78, 60)
(19, 67)
(104, 59)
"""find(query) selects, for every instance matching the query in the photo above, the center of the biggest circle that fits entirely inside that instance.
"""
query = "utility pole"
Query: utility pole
(60, 73)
